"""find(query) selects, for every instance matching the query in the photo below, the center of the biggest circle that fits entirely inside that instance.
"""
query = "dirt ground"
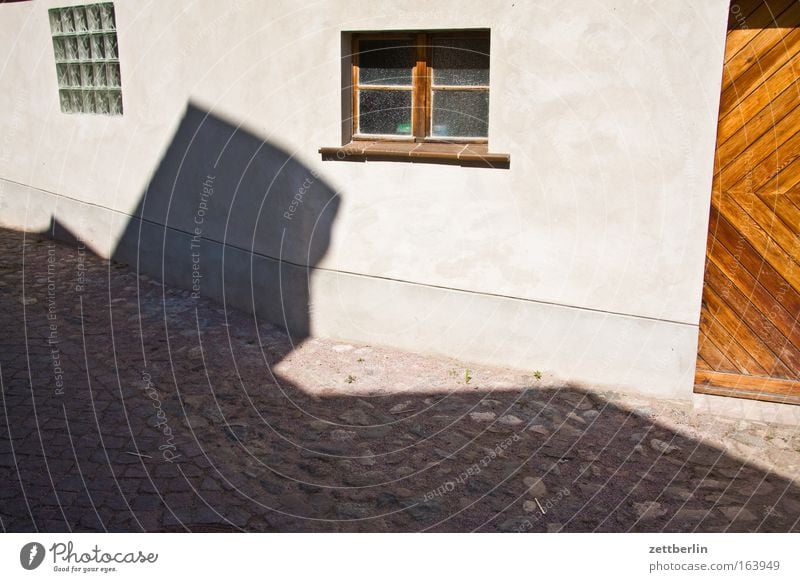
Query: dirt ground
(131, 406)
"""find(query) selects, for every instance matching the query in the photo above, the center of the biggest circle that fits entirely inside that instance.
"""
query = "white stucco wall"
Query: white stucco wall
(584, 259)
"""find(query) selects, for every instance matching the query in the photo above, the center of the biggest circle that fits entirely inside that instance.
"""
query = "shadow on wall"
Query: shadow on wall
(760, 14)
(229, 216)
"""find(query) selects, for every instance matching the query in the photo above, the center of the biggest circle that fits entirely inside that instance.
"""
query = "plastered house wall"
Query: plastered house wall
(583, 259)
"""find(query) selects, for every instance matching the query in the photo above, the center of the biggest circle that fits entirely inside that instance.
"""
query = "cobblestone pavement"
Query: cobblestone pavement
(129, 406)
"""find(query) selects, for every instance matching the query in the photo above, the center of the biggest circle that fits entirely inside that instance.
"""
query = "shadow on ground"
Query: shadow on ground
(169, 418)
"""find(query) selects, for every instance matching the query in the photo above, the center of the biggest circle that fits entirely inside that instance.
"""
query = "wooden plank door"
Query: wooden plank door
(749, 343)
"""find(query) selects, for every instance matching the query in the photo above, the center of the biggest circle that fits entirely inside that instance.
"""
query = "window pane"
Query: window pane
(460, 114)
(460, 61)
(385, 62)
(384, 112)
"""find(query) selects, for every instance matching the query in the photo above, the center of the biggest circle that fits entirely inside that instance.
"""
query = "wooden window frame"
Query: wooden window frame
(420, 146)
(422, 87)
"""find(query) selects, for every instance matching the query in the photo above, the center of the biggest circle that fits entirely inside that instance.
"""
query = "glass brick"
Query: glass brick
(67, 75)
(111, 46)
(75, 102)
(87, 75)
(100, 79)
(63, 75)
(97, 45)
(113, 75)
(107, 16)
(115, 103)
(93, 17)
(87, 99)
(55, 21)
(67, 25)
(74, 75)
(84, 52)
(79, 16)
(63, 97)
(71, 45)
(100, 102)
(58, 49)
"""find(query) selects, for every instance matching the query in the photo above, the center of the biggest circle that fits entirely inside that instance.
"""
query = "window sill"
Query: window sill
(476, 155)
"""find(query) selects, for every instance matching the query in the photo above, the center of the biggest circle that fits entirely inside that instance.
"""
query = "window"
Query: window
(419, 95)
(426, 86)
(87, 59)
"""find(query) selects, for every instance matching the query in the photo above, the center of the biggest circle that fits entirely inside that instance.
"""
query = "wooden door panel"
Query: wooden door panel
(749, 336)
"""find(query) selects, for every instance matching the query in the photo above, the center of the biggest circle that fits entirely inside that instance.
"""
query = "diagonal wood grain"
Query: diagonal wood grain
(749, 19)
(750, 314)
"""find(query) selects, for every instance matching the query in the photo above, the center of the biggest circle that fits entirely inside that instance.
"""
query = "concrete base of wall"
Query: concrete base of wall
(579, 346)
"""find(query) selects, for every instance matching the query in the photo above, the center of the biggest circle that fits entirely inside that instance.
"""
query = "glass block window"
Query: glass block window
(87, 58)
(421, 86)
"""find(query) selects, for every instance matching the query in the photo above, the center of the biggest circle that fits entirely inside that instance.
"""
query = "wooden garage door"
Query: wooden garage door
(749, 344)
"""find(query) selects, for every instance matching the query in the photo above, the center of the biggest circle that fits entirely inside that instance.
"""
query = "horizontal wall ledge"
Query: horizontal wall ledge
(476, 155)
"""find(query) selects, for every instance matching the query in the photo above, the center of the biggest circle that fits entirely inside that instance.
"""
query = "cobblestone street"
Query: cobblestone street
(128, 406)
